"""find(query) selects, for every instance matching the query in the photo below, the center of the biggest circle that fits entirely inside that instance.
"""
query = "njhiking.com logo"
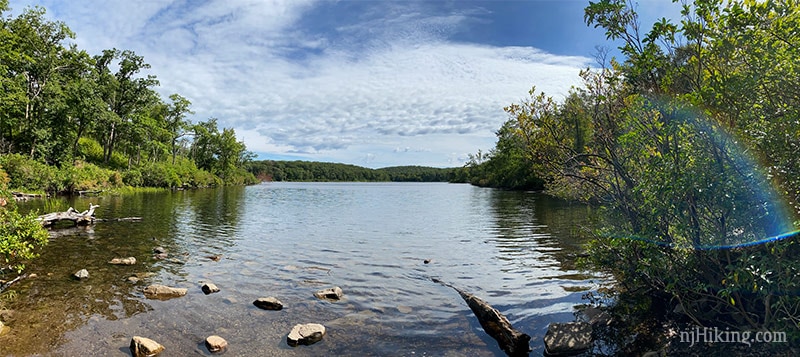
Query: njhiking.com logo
(717, 335)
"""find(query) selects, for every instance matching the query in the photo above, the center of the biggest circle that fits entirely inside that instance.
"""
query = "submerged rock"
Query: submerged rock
(596, 317)
(132, 280)
(334, 293)
(7, 315)
(216, 343)
(81, 274)
(305, 334)
(160, 256)
(209, 288)
(123, 261)
(145, 347)
(163, 292)
(567, 338)
(268, 303)
(159, 250)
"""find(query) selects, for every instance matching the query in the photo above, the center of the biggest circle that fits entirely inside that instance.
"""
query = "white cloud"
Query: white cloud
(377, 84)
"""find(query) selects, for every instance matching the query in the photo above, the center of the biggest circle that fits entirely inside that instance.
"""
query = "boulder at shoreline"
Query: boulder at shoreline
(216, 344)
(145, 347)
(305, 334)
(268, 303)
(334, 293)
(209, 288)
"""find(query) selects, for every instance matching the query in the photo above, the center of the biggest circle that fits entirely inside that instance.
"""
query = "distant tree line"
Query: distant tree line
(312, 171)
(80, 114)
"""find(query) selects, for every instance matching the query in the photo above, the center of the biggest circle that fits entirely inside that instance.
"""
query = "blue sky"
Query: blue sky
(370, 83)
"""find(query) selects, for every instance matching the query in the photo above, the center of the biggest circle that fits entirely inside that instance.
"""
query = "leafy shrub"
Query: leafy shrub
(132, 177)
(160, 174)
(28, 174)
(202, 178)
(4, 179)
(20, 236)
(115, 180)
(87, 177)
(90, 150)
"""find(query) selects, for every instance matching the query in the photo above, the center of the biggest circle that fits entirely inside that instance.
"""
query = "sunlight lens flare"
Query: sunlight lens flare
(719, 196)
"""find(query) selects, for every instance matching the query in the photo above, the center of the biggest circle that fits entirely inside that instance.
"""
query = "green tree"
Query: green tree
(658, 141)
(219, 152)
(36, 57)
(177, 125)
(125, 94)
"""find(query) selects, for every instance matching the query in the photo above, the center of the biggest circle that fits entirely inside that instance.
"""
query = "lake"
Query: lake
(516, 250)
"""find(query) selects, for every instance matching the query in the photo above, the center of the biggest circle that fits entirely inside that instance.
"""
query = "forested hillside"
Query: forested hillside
(71, 120)
(269, 170)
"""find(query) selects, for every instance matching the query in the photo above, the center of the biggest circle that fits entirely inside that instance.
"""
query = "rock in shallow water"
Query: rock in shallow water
(268, 303)
(216, 343)
(209, 288)
(305, 334)
(123, 261)
(567, 338)
(145, 347)
(81, 274)
(334, 293)
(163, 292)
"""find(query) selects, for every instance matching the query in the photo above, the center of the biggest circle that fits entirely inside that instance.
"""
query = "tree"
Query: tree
(219, 152)
(177, 125)
(124, 94)
(679, 144)
(36, 57)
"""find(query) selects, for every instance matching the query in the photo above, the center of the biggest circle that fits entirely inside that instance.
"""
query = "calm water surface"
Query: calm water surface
(513, 249)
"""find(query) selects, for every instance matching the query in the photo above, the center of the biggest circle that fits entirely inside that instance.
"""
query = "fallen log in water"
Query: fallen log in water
(78, 218)
(511, 341)
(124, 219)
(6, 285)
(21, 196)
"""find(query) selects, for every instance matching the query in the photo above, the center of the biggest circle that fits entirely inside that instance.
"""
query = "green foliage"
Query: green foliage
(62, 107)
(509, 165)
(20, 237)
(182, 174)
(690, 142)
(89, 177)
(29, 174)
(417, 174)
(133, 177)
(90, 150)
(269, 170)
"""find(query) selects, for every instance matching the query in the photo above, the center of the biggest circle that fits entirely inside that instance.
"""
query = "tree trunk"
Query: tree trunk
(109, 147)
(511, 341)
(78, 218)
